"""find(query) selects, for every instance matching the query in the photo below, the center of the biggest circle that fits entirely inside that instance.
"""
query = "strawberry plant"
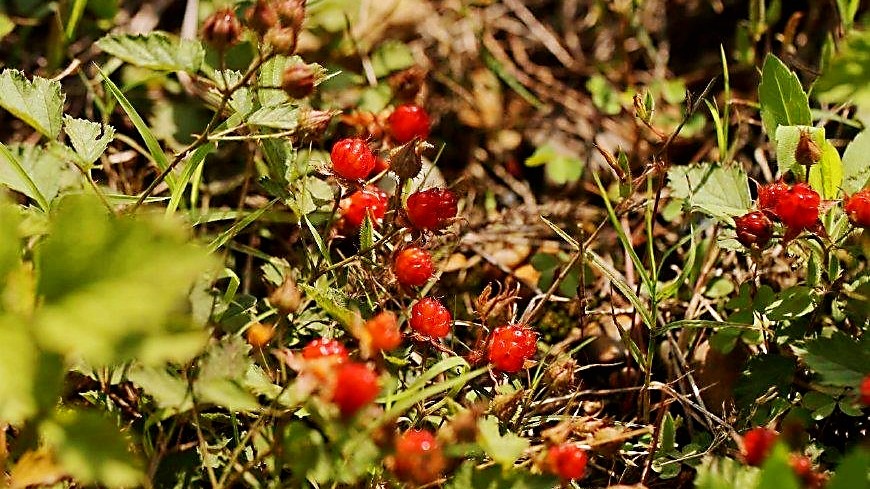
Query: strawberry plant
(330, 243)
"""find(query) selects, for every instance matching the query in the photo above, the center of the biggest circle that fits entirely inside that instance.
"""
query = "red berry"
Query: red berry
(753, 229)
(865, 390)
(510, 346)
(798, 208)
(381, 165)
(757, 444)
(430, 318)
(407, 122)
(369, 200)
(324, 348)
(801, 465)
(413, 267)
(352, 159)
(432, 208)
(356, 385)
(768, 195)
(567, 460)
(383, 330)
(857, 207)
(419, 458)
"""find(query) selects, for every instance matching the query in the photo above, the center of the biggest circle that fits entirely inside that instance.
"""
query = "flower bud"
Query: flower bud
(807, 152)
(298, 80)
(282, 39)
(222, 29)
(261, 17)
(287, 297)
(291, 13)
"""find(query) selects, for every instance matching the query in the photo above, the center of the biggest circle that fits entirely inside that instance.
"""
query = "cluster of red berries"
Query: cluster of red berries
(757, 445)
(797, 208)
(355, 384)
(567, 460)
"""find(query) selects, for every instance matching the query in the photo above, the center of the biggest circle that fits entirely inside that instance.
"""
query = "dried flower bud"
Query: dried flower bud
(287, 297)
(406, 160)
(298, 80)
(807, 152)
(406, 84)
(222, 29)
(261, 17)
(313, 123)
(291, 13)
(282, 39)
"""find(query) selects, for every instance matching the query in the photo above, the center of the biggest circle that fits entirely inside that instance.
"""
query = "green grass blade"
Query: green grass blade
(236, 228)
(147, 136)
(194, 162)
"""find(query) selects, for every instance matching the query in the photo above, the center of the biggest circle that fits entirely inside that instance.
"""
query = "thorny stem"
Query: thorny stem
(204, 137)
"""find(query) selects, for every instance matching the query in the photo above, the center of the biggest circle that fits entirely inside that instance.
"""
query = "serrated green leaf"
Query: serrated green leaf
(856, 167)
(839, 360)
(39, 103)
(155, 50)
(102, 301)
(792, 303)
(783, 100)
(92, 449)
(713, 189)
(503, 449)
(282, 116)
(89, 139)
(222, 373)
(332, 301)
(36, 172)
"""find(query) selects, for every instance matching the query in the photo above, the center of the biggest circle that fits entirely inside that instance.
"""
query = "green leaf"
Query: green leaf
(332, 301)
(270, 75)
(712, 189)
(783, 100)
(845, 79)
(169, 391)
(6, 25)
(792, 303)
(504, 449)
(839, 360)
(155, 50)
(852, 472)
(856, 170)
(103, 299)
(763, 372)
(18, 366)
(221, 374)
(38, 103)
(390, 56)
(776, 473)
(469, 476)
(305, 453)
(89, 139)
(282, 116)
(91, 448)
(725, 473)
